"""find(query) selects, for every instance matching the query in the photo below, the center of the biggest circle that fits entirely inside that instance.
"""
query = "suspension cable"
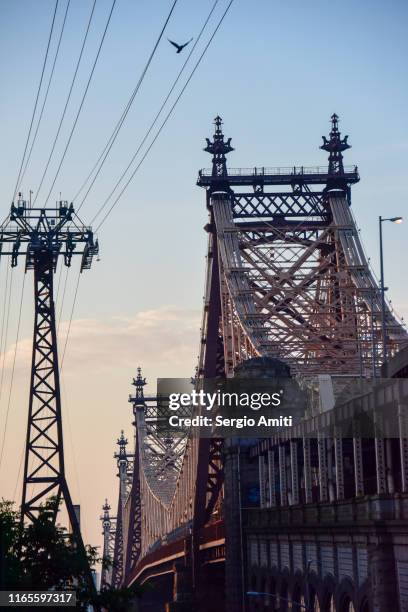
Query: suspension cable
(70, 321)
(62, 300)
(5, 325)
(36, 100)
(67, 100)
(102, 158)
(12, 370)
(82, 102)
(163, 104)
(46, 93)
(160, 128)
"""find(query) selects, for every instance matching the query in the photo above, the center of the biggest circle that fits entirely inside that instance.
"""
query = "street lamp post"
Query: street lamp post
(382, 287)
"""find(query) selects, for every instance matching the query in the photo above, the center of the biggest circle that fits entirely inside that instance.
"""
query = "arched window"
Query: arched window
(315, 604)
(314, 600)
(347, 605)
(297, 599)
(364, 606)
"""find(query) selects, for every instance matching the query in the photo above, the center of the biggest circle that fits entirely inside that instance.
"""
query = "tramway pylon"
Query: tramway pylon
(43, 235)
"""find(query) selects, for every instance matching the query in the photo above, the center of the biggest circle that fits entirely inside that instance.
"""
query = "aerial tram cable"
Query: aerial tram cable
(46, 93)
(162, 106)
(12, 370)
(70, 321)
(36, 100)
(151, 127)
(161, 126)
(3, 315)
(5, 325)
(67, 100)
(59, 316)
(82, 102)
(102, 158)
(106, 150)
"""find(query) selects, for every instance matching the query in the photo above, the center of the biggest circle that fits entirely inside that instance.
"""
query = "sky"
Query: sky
(275, 72)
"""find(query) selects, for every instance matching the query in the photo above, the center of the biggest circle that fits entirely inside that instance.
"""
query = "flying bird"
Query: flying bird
(179, 47)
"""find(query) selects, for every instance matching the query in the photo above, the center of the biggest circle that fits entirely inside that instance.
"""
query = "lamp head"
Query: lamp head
(396, 219)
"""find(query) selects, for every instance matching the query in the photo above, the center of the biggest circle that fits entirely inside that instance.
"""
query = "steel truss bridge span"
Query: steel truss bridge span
(286, 278)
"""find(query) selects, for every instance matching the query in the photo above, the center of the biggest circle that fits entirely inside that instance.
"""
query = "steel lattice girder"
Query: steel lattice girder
(292, 287)
(117, 570)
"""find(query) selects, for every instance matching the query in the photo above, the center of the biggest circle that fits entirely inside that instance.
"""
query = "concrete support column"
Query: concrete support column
(383, 577)
(271, 478)
(339, 467)
(380, 455)
(283, 486)
(294, 469)
(241, 474)
(403, 434)
(330, 471)
(182, 590)
(321, 449)
(389, 466)
(380, 463)
(358, 467)
(307, 467)
(261, 467)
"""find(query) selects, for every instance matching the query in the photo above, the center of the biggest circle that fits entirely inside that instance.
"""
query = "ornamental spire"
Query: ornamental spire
(105, 518)
(218, 147)
(139, 382)
(335, 147)
(122, 443)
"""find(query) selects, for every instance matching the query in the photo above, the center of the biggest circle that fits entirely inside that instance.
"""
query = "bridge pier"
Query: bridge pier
(383, 575)
(182, 590)
(234, 589)
(240, 478)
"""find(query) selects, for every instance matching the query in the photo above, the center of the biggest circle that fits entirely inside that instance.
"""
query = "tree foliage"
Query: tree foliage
(42, 555)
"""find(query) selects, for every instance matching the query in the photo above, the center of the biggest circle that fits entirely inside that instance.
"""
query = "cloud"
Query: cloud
(167, 336)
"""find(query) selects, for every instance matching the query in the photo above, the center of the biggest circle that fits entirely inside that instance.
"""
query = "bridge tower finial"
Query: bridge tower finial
(219, 148)
(105, 518)
(138, 400)
(123, 465)
(335, 146)
(139, 382)
(121, 456)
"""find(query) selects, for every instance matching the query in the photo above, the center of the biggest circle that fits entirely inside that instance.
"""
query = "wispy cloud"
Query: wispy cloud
(165, 338)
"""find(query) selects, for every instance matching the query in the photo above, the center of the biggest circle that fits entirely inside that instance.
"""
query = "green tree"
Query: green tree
(43, 556)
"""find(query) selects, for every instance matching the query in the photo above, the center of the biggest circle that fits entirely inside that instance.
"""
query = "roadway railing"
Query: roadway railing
(280, 171)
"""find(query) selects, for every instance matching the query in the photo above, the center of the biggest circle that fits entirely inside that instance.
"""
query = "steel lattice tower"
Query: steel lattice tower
(42, 235)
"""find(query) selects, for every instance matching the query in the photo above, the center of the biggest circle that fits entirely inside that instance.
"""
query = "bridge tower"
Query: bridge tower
(287, 274)
(43, 235)
(135, 514)
(108, 532)
(123, 475)
(287, 279)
